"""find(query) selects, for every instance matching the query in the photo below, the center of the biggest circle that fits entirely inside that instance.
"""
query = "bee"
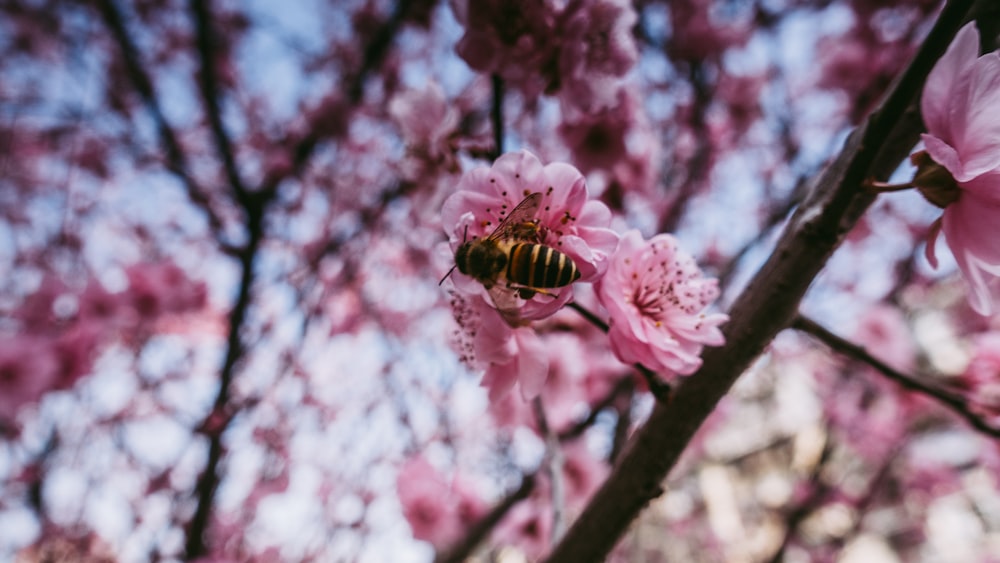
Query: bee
(512, 262)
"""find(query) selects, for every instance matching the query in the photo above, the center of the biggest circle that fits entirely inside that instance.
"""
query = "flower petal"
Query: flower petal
(937, 101)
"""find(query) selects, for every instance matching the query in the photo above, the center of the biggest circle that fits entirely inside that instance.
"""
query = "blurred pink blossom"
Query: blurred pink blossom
(698, 36)
(981, 379)
(656, 297)
(28, 368)
(884, 333)
(598, 139)
(427, 123)
(514, 39)
(959, 107)
(582, 471)
(529, 525)
(437, 512)
(161, 288)
(568, 221)
(598, 49)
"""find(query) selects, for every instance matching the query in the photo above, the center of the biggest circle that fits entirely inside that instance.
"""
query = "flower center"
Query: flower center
(651, 300)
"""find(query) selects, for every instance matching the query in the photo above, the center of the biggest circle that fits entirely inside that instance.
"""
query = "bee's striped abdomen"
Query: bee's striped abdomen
(537, 265)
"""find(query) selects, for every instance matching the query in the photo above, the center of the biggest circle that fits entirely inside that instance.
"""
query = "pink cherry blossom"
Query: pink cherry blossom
(697, 35)
(598, 139)
(436, 510)
(28, 368)
(656, 298)
(423, 494)
(959, 106)
(981, 379)
(884, 333)
(162, 288)
(568, 221)
(598, 48)
(514, 39)
(582, 471)
(427, 123)
(512, 355)
(529, 525)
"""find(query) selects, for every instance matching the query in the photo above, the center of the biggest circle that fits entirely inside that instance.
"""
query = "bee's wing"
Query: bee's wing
(507, 302)
(522, 213)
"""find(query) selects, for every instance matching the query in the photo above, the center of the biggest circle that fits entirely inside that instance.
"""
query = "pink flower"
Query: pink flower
(884, 333)
(529, 525)
(567, 220)
(507, 355)
(28, 368)
(598, 48)
(512, 355)
(163, 288)
(656, 298)
(514, 39)
(697, 36)
(437, 512)
(427, 122)
(959, 107)
(598, 140)
(981, 379)
(583, 472)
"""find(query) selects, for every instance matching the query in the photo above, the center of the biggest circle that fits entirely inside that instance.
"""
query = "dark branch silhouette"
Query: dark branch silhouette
(768, 304)
(951, 400)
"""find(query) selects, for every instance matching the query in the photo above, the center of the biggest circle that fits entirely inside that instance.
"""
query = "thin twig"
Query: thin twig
(951, 400)
(476, 533)
(208, 85)
(496, 113)
(143, 84)
(623, 386)
(553, 463)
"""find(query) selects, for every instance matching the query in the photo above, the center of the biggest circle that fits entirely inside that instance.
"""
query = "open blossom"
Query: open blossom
(567, 220)
(656, 298)
(960, 170)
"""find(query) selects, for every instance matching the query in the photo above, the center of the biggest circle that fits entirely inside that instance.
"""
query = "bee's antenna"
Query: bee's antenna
(448, 274)
(465, 235)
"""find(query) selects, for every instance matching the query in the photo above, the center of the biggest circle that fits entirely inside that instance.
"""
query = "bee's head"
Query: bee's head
(462, 257)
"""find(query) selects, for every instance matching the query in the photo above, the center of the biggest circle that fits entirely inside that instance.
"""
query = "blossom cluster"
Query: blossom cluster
(59, 329)
(654, 293)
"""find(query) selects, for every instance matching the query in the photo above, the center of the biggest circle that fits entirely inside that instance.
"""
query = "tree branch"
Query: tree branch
(208, 86)
(496, 114)
(461, 550)
(951, 400)
(254, 206)
(143, 84)
(765, 307)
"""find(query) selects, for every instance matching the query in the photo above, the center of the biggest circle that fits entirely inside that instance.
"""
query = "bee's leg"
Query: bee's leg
(528, 292)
